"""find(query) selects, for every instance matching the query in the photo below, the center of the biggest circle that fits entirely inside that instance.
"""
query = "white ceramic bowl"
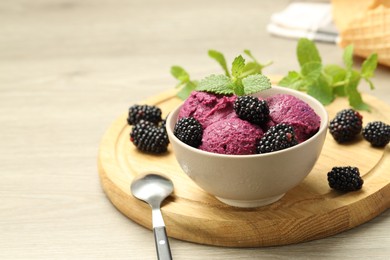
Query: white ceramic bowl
(251, 180)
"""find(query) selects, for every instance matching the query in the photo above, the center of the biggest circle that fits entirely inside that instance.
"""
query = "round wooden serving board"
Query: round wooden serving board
(309, 211)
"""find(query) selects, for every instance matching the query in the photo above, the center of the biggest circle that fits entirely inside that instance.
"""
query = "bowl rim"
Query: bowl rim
(296, 93)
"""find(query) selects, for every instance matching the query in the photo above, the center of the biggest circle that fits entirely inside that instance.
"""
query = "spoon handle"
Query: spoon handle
(162, 243)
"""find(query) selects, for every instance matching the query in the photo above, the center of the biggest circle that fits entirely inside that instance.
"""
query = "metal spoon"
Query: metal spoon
(153, 189)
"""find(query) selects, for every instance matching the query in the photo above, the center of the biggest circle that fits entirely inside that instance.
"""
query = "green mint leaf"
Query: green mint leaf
(352, 78)
(339, 91)
(254, 66)
(238, 66)
(356, 101)
(186, 90)
(228, 90)
(180, 74)
(370, 83)
(336, 73)
(351, 82)
(311, 71)
(351, 89)
(348, 56)
(219, 84)
(369, 66)
(291, 77)
(249, 53)
(293, 80)
(220, 58)
(336, 76)
(251, 68)
(238, 88)
(255, 83)
(321, 90)
(307, 52)
(368, 69)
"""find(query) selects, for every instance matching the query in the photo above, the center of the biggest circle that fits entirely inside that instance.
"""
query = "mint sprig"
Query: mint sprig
(218, 84)
(185, 84)
(244, 78)
(220, 58)
(326, 82)
(239, 83)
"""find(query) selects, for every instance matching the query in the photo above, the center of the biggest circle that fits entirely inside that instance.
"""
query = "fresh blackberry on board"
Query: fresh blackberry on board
(189, 131)
(147, 137)
(346, 125)
(140, 127)
(377, 133)
(345, 178)
(163, 123)
(145, 112)
(251, 109)
(277, 138)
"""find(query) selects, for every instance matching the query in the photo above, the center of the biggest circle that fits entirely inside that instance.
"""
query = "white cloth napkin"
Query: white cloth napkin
(312, 20)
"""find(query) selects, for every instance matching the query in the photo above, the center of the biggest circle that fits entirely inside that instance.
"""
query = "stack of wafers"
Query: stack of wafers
(366, 25)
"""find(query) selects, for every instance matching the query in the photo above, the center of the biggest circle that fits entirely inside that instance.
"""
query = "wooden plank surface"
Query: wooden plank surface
(310, 211)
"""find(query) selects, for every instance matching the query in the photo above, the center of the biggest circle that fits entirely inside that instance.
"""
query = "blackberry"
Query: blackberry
(189, 131)
(163, 123)
(377, 133)
(345, 178)
(145, 112)
(346, 125)
(147, 137)
(251, 109)
(277, 138)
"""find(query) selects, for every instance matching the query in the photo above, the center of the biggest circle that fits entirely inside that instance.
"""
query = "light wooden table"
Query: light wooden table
(68, 68)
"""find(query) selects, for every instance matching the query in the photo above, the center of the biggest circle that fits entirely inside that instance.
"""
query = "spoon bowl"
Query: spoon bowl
(154, 189)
